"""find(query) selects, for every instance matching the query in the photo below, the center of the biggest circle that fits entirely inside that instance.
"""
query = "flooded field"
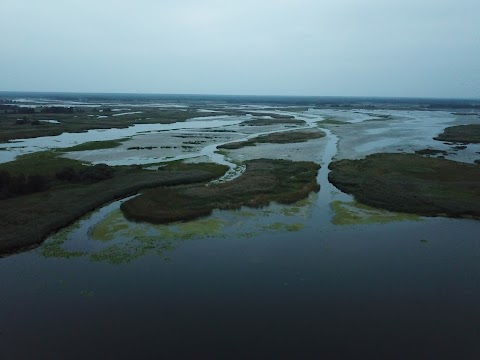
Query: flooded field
(325, 276)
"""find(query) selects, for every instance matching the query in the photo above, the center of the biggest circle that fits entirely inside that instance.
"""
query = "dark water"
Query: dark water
(369, 291)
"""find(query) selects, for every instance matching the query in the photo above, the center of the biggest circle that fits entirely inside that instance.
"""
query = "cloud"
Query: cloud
(341, 47)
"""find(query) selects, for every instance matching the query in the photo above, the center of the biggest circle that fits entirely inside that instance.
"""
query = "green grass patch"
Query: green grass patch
(95, 145)
(264, 181)
(46, 163)
(465, 134)
(273, 121)
(284, 137)
(332, 121)
(410, 183)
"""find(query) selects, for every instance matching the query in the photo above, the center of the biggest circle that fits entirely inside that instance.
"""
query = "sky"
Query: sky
(391, 48)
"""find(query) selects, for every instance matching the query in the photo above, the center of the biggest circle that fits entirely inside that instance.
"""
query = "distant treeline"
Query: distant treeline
(57, 110)
(16, 185)
(15, 109)
(334, 101)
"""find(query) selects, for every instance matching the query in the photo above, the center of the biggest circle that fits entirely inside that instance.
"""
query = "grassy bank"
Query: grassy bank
(285, 137)
(411, 184)
(274, 121)
(465, 134)
(25, 221)
(264, 181)
(96, 145)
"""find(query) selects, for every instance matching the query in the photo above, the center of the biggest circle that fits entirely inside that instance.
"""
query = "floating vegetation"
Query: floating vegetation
(55, 249)
(294, 227)
(107, 229)
(291, 210)
(119, 241)
(87, 293)
(353, 213)
(246, 213)
(54, 246)
(116, 240)
(300, 208)
(284, 226)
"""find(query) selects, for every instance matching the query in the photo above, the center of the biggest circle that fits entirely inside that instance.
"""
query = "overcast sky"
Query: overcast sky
(427, 48)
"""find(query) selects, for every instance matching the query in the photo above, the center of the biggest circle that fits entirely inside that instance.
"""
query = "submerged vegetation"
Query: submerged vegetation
(353, 213)
(411, 184)
(116, 240)
(264, 181)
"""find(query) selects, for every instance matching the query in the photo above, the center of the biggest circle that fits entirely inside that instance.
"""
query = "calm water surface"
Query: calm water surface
(398, 290)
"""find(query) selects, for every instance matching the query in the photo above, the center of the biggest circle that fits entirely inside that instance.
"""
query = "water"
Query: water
(367, 289)
(278, 282)
(24, 146)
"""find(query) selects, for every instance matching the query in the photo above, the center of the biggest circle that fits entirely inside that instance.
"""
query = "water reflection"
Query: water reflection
(107, 236)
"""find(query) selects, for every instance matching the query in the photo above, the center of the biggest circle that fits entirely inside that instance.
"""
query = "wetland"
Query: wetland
(299, 227)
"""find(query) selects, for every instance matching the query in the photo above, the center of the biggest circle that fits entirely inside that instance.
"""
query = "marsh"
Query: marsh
(323, 272)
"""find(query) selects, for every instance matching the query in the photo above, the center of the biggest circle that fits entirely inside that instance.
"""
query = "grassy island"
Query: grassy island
(264, 181)
(411, 184)
(274, 121)
(465, 134)
(43, 192)
(284, 137)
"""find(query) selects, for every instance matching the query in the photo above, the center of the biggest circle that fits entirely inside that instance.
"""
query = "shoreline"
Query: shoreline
(26, 221)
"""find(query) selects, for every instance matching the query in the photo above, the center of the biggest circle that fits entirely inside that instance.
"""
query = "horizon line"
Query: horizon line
(237, 95)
